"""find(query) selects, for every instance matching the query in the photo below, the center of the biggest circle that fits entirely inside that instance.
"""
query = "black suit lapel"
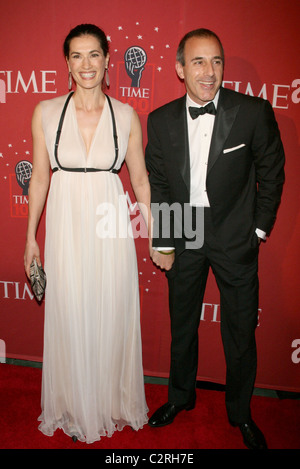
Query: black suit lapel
(178, 132)
(224, 120)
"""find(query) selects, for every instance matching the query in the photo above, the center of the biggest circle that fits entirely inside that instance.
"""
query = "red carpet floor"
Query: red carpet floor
(206, 427)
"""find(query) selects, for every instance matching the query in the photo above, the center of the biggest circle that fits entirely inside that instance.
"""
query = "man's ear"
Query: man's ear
(179, 70)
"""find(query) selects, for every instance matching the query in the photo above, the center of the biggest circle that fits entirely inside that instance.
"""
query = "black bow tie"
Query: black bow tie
(199, 111)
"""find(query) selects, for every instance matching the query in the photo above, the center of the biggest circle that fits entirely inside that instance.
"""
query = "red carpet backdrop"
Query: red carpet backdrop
(262, 42)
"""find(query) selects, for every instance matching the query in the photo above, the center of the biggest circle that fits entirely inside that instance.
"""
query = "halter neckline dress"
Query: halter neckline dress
(92, 366)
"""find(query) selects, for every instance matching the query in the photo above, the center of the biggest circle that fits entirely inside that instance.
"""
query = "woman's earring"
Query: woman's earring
(70, 81)
(107, 78)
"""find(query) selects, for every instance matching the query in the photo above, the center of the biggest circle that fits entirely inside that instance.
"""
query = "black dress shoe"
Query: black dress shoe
(252, 435)
(166, 414)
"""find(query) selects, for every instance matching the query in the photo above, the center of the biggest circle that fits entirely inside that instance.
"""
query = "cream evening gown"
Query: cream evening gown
(92, 367)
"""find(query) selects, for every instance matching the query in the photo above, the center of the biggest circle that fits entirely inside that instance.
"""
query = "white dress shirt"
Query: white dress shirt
(200, 133)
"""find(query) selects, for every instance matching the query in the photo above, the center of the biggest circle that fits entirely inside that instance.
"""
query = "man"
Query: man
(230, 163)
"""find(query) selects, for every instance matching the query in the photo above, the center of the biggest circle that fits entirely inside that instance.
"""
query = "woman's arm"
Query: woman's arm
(38, 188)
(135, 162)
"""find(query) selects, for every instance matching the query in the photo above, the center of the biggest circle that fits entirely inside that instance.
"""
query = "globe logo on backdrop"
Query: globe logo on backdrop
(135, 60)
(23, 172)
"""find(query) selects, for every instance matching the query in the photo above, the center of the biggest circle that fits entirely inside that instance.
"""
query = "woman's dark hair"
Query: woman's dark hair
(202, 32)
(83, 30)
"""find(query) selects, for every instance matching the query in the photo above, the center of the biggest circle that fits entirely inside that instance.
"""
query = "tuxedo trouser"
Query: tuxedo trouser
(238, 287)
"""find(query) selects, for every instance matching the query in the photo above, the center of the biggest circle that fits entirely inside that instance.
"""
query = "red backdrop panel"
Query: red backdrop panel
(261, 40)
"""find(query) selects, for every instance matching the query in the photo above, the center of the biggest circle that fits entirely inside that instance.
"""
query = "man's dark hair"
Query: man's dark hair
(202, 32)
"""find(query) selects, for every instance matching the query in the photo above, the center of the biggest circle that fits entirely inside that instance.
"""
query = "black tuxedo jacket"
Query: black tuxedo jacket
(245, 173)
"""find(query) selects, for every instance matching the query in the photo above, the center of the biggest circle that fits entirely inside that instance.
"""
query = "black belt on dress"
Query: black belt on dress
(85, 170)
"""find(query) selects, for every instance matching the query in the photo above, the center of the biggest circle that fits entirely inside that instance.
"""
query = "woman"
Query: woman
(92, 366)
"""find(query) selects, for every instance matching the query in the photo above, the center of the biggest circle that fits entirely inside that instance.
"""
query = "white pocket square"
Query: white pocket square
(228, 150)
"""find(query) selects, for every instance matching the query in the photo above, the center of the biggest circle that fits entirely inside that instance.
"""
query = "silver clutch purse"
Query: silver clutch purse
(38, 280)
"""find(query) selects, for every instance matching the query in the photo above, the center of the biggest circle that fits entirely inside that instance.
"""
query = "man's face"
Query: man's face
(203, 69)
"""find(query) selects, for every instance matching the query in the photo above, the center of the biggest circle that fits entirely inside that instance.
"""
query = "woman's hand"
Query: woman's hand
(32, 251)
